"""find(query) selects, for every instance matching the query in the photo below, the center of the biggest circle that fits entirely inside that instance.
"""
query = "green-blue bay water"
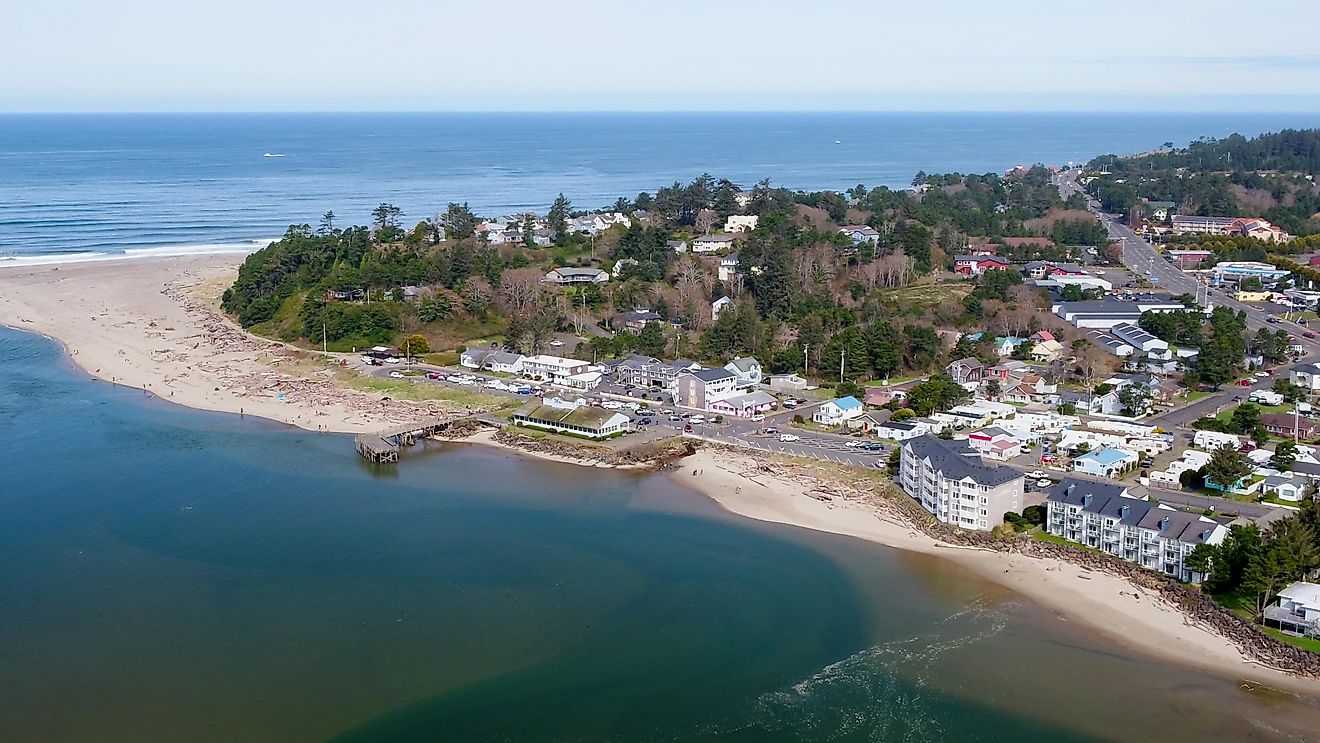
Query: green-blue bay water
(175, 575)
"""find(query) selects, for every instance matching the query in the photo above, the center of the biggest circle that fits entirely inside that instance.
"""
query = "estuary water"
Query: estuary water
(74, 187)
(169, 574)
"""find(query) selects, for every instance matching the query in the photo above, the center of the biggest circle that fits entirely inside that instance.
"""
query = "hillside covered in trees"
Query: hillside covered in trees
(1270, 176)
(887, 304)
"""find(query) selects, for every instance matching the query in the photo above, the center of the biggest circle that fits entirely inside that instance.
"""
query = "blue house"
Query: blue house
(1104, 462)
(835, 412)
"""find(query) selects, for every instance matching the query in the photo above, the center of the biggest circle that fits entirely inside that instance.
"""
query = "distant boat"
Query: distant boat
(838, 141)
(273, 154)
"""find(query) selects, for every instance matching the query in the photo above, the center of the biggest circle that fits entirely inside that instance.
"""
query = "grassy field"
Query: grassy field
(927, 295)
(404, 389)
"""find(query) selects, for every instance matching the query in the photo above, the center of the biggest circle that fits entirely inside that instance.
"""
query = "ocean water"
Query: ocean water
(74, 187)
(169, 574)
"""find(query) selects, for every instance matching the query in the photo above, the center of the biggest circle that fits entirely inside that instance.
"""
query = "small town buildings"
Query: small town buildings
(553, 369)
(1006, 345)
(1043, 352)
(835, 412)
(576, 276)
(1106, 462)
(646, 371)
(1234, 271)
(1159, 210)
(700, 387)
(788, 383)
(678, 246)
(995, 443)
(1103, 516)
(901, 430)
(474, 358)
(966, 370)
(860, 234)
(1140, 340)
(741, 223)
(621, 265)
(728, 267)
(1289, 425)
(950, 481)
(634, 321)
(744, 405)
(713, 243)
(562, 416)
(1105, 314)
(1306, 376)
(746, 369)
(1187, 258)
(1211, 440)
(1297, 610)
(718, 306)
(975, 265)
(1184, 224)
(1285, 486)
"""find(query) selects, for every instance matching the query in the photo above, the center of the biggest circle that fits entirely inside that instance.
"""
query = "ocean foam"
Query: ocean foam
(162, 251)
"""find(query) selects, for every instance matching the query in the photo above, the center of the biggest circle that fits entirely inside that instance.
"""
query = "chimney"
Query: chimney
(1124, 511)
(1164, 523)
(1071, 485)
(1086, 499)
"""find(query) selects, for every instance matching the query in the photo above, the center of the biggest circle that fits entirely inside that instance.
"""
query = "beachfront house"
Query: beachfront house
(561, 416)
(835, 412)
(950, 481)
(1296, 611)
(741, 223)
(1103, 516)
(701, 387)
(860, 234)
(744, 405)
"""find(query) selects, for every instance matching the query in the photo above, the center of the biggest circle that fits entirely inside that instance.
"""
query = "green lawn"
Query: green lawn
(1244, 605)
(894, 380)
(1192, 397)
(404, 389)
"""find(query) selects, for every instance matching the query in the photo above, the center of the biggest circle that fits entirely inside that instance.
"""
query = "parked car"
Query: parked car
(758, 418)
(1308, 334)
(853, 444)
(1038, 474)
(1272, 319)
(1246, 382)
(789, 437)
(556, 343)
(1044, 483)
(396, 375)
(432, 375)
(772, 430)
(687, 428)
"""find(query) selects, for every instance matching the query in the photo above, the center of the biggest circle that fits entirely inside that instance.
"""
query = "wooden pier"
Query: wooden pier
(384, 446)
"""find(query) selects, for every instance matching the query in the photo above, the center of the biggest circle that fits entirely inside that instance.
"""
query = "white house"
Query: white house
(995, 443)
(835, 412)
(746, 369)
(1297, 612)
(860, 234)
(1211, 440)
(950, 481)
(718, 306)
(1107, 462)
(1306, 376)
(553, 369)
(712, 243)
(728, 266)
(744, 405)
(741, 223)
(563, 417)
(901, 430)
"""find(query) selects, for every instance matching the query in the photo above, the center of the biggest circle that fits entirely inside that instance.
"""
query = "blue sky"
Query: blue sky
(245, 55)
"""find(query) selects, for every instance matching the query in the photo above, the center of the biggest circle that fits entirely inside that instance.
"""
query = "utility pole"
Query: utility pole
(805, 346)
(325, 347)
(841, 351)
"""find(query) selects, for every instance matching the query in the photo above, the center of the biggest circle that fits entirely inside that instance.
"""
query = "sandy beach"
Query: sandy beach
(1110, 604)
(154, 325)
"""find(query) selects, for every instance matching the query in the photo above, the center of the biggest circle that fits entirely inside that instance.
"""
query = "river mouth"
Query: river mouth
(174, 574)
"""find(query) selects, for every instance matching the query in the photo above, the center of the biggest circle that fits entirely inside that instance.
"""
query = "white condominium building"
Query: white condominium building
(949, 480)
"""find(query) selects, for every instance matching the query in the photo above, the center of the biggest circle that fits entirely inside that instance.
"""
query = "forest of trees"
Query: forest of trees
(1208, 176)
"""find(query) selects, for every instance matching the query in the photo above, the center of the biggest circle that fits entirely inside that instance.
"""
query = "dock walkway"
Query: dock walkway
(383, 446)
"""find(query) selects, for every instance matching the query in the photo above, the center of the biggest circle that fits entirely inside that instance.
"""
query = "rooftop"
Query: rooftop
(957, 461)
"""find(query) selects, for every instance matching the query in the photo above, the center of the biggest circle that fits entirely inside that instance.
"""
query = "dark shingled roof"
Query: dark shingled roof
(957, 460)
(711, 375)
(1107, 499)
